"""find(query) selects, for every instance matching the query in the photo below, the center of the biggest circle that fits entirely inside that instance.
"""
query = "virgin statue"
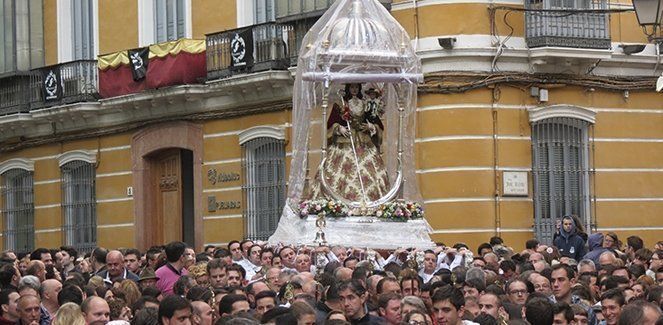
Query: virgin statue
(354, 168)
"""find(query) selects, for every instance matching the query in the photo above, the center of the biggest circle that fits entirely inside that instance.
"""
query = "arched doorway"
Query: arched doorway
(167, 163)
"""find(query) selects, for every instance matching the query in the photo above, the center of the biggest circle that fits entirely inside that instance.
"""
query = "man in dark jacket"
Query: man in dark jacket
(353, 296)
(115, 269)
(569, 242)
(595, 243)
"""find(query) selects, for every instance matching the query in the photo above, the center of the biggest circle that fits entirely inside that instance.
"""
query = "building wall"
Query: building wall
(118, 25)
(465, 141)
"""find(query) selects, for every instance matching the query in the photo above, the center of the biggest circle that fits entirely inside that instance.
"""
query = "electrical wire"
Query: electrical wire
(459, 82)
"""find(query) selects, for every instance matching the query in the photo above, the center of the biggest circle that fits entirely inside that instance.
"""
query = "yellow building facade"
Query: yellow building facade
(498, 106)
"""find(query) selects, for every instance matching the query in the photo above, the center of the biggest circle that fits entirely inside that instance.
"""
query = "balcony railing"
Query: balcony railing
(567, 23)
(78, 81)
(269, 49)
(15, 93)
(297, 31)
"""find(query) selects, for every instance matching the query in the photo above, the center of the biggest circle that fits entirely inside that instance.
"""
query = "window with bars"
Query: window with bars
(263, 163)
(169, 20)
(561, 173)
(21, 35)
(79, 205)
(18, 210)
(82, 34)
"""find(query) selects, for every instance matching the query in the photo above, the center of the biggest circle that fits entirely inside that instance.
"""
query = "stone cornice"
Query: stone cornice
(223, 97)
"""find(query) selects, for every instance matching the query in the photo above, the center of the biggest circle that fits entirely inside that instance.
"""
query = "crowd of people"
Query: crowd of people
(593, 280)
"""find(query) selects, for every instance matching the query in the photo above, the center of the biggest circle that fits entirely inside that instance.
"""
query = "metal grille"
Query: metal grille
(15, 93)
(269, 51)
(80, 84)
(169, 20)
(18, 210)
(263, 163)
(79, 205)
(568, 27)
(561, 173)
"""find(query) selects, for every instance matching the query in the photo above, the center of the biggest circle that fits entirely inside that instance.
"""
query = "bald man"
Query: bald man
(95, 311)
(38, 269)
(49, 296)
(202, 313)
(116, 270)
(28, 310)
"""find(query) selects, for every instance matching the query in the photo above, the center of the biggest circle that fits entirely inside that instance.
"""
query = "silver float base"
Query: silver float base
(353, 231)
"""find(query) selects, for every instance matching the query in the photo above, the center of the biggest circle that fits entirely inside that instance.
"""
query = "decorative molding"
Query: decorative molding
(88, 156)
(546, 112)
(20, 163)
(261, 131)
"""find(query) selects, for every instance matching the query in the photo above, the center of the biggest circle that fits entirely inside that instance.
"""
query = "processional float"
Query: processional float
(352, 176)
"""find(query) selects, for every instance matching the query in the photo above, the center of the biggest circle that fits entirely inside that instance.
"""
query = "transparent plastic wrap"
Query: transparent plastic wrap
(354, 106)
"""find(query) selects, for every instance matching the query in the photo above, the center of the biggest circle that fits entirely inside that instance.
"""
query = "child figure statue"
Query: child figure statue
(374, 111)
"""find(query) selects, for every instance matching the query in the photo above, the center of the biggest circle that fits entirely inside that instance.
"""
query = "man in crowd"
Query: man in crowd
(449, 306)
(202, 313)
(115, 269)
(132, 260)
(175, 310)
(9, 307)
(612, 302)
(29, 310)
(216, 271)
(69, 255)
(389, 308)
(49, 291)
(43, 255)
(95, 311)
(174, 268)
(353, 296)
(563, 278)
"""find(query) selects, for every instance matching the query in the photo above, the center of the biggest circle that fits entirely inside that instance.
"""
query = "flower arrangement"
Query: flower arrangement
(329, 208)
(400, 211)
(393, 211)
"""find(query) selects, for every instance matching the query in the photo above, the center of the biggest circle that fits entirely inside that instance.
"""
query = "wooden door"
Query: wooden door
(169, 196)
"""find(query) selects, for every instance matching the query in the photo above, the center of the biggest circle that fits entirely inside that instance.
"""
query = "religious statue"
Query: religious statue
(355, 169)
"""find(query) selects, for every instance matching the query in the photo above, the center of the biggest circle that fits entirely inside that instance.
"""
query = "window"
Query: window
(264, 11)
(82, 13)
(22, 35)
(18, 210)
(79, 205)
(263, 163)
(286, 8)
(560, 171)
(169, 20)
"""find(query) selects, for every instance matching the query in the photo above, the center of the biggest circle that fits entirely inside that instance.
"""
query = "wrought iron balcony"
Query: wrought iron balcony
(567, 23)
(251, 49)
(296, 32)
(15, 93)
(78, 82)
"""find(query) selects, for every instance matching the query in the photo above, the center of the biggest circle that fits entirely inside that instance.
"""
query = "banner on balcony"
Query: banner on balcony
(139, 60)
(52, 86)
(241, 48)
